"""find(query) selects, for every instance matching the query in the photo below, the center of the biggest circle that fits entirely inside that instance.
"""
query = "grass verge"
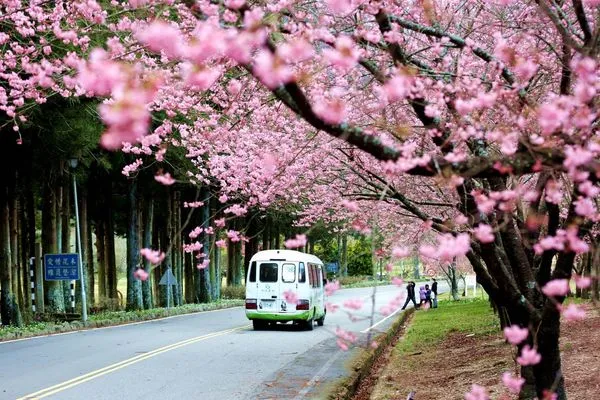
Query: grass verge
(440, 354)
(361, 365)
(110, 318)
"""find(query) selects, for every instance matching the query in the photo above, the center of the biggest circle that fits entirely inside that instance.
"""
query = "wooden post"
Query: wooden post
(39, 279)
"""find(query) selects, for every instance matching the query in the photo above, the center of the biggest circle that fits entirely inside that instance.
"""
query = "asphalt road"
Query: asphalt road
(212, 355)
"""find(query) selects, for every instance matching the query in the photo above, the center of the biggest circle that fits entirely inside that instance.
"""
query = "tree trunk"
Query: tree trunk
(148, 225)
(202, 279)
(101, 251)
(344, 256)
(53, 289)
(14, 251)
(188, 260)
(548, 374)
(266, 235)
(109, 237)
(239, 266)
(177, 249)
(453, 281)
(216, 257)
(134, 286)
(86, 247)
(230, 262)
(6, 304)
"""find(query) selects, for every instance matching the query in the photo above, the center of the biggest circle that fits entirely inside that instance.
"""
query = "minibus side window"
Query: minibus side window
(253, 272)
(301, 273)
(313, 275)
(320, 275)
(288, 272)
(268, 272)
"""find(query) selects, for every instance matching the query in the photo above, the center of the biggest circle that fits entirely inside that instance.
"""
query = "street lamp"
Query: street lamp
(73, 165)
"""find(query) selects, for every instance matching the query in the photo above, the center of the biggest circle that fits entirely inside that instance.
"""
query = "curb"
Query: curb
(347, 387)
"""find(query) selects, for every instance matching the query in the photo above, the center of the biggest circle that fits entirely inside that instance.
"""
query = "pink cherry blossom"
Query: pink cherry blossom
(220, 222)
(353, 304)
(397, 281)
(162, 36)
(529, 356)
(484, 233)
(583, 282)
(573, 312)
(350, 205)
(477, 393)
(164, 179)
(234, 236)
(400, 252)
(204, 264)
(222, 244)
(512, 383)
(448, 247)
(332, 287)
(140, 274)
(344, 56)
(271, 70)
(331, 307)
(556, 287)
(514, 334)
(235, 4)
(154, 256)
(340, 7)
(298, 241)
(331, 111)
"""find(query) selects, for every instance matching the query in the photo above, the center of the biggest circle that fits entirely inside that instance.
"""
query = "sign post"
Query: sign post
(169, 280)
(73, 163)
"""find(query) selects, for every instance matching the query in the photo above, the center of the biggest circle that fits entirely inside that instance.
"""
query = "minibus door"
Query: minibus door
(288, 284)
(268, 286)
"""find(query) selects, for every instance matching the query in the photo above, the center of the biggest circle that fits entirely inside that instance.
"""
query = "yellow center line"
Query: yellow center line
(122, 364)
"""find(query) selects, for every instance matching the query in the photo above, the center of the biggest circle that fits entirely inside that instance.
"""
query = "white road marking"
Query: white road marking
(315, 379)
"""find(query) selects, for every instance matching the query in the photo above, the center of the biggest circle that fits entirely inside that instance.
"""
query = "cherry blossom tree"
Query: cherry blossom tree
(477, 118)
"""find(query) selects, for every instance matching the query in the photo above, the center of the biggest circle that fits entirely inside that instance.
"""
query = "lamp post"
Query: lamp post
(73, 165)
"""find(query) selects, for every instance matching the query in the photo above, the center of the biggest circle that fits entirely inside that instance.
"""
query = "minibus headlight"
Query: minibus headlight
(302, 305)
(250, 304)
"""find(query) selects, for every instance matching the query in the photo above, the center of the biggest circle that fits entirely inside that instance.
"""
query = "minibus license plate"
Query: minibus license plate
(268, 304)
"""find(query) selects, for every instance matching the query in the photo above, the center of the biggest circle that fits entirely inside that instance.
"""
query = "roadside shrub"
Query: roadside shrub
(233, 292)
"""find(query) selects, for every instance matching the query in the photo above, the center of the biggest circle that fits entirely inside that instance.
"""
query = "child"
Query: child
(422, 295)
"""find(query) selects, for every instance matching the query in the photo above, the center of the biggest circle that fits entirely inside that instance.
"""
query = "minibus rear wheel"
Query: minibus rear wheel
(321, 320)
(258, 324)
(310, 324)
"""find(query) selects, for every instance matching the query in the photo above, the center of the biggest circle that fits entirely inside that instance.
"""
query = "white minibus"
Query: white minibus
(271, 273)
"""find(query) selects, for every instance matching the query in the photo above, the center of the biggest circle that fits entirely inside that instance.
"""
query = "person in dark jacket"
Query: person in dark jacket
(434, 290)
(410, 295)
(427, 293)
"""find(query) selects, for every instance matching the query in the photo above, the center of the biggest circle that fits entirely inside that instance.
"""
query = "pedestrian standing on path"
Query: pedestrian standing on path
(434, 293)
(422, 295)
(428, 296)
(410, 294)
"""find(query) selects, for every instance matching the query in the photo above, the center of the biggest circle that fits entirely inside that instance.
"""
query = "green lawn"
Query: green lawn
(431, 326)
